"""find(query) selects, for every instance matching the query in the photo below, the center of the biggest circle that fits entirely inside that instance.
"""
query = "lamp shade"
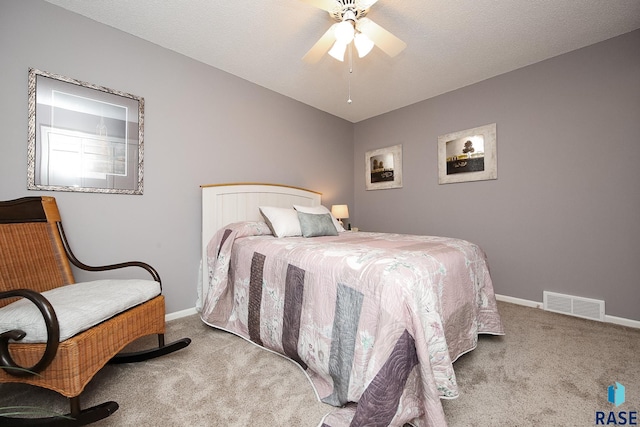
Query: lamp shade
(363, 44)
(337, 51)
(344, 32)
(340, 211)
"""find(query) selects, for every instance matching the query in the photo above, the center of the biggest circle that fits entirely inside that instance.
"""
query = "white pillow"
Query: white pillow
(283, 222)
(319, 210)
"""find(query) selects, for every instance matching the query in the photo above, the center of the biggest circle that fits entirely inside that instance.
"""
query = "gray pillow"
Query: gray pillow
(314, 225)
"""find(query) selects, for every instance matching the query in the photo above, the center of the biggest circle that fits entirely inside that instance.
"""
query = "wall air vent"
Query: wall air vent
(586, 308)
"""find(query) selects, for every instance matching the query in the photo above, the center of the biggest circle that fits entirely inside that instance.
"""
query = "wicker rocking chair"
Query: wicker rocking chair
(44, 339)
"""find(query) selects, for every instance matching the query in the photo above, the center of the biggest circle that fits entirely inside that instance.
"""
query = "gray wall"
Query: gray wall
(201, 126)
(564, 213)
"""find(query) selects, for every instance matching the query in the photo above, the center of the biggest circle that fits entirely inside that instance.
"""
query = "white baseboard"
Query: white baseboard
(180, 314)
(519, 301)
(622, 321)
(608, 319)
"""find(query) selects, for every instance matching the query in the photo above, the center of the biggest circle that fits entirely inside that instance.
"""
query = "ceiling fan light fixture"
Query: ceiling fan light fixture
(351, 26)
(363, 44)
(338, 50)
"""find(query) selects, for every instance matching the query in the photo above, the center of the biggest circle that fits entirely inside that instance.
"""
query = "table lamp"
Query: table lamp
(340, 212)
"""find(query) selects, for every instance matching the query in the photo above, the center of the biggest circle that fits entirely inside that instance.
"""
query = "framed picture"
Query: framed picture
(383, 168)
(468, 155)
(83, 137)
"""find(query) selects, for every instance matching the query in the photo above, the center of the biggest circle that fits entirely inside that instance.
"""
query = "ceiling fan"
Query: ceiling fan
(351, 25)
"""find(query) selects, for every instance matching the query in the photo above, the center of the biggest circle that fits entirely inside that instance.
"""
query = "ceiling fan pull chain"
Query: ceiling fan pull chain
(349, 101)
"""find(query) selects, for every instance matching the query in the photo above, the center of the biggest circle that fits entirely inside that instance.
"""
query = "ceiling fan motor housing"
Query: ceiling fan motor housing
(343, 7)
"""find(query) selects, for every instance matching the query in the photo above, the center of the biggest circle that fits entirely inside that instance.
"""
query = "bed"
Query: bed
(375, 320)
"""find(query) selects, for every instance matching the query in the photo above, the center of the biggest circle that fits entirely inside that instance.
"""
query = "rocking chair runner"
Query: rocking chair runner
(35, 268)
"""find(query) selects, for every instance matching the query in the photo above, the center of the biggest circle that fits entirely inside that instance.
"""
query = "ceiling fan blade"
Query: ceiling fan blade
(321, 47)
(328, 5)
(366, 4)
(390, 44)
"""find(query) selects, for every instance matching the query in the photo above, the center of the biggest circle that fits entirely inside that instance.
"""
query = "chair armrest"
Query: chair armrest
(143, 265)
(152, 271)
(53, 335)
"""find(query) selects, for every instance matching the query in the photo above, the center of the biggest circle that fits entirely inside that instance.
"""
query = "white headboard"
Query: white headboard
(224, 204)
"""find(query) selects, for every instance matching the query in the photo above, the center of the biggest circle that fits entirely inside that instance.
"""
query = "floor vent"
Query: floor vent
(574, 306)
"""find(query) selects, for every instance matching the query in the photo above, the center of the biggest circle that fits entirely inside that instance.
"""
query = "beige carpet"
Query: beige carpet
(548, 370)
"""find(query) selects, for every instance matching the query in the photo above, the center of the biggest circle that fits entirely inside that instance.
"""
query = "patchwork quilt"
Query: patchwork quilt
(375, 320)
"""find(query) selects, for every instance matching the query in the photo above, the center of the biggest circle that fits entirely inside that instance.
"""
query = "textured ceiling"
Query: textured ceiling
(450, 43)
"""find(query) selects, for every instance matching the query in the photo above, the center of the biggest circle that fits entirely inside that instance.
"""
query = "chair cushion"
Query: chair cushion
(78, 307)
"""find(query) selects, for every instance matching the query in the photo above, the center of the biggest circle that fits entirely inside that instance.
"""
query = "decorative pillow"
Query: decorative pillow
(314, 225)
(319, 210)
(283, 222)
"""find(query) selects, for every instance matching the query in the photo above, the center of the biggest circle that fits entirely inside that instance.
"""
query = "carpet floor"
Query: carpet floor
(549, 369)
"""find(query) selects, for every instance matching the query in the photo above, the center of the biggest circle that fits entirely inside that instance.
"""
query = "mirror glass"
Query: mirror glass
(83, 137)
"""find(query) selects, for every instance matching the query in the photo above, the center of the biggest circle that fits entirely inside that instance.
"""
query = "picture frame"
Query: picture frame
(383, 168)
(468, 155)
(83, 137)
